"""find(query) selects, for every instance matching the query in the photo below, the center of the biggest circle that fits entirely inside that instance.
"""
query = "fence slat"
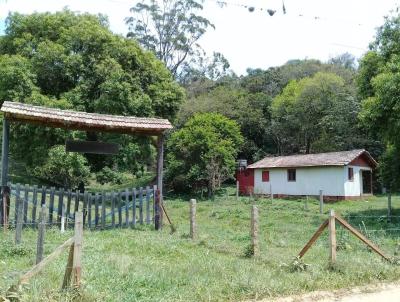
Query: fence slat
(85, 207)
(113, 209)
(147, 205)
(51, 206)
(96, 210)
(17, 192)
(141, 205)
(90, 202)
(134, 207)
(41, 233)
(103, 210)
(20, 218)
(76, 202)
(43, 197)
(34, 207)
(60, 205)
(126, 207)
(68, 211)
(26, 193)
(119, 199)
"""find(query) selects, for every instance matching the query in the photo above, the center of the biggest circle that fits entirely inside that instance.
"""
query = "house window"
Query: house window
(291, 174)
(265, 176)
(351, 174)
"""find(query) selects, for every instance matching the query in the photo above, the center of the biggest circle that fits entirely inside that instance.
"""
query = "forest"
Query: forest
(74, 61)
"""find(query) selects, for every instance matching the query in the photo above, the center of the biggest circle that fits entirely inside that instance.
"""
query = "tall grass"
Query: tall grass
(145, 265)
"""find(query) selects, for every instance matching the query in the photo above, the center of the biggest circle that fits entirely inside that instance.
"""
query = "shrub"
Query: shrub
(107, 175)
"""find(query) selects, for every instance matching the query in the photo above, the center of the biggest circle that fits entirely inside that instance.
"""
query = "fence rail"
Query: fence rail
(101, 210)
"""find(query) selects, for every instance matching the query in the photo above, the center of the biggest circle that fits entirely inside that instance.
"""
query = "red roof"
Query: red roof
(341, 158)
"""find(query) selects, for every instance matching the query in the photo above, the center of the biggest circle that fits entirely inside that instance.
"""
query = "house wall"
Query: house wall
(309, 180)
(354, 188)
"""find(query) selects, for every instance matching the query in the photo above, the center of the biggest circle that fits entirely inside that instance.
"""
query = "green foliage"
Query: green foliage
(71, 60)
(170, 29)
(107, 175)
(389, 168)
(315, 114)
(63, 169)
(202, 153)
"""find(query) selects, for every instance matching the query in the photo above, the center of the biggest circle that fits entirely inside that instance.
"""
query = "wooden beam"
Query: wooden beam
(314, 238)
(77, 265)
(332, 237)
(360, 236)
(91, 147)
(160, 164)
(4, 152)
(38, 267)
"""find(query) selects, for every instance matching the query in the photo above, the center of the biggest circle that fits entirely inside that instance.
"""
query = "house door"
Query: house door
(366, 182)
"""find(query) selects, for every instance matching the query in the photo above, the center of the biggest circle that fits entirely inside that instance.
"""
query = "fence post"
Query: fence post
(321, 202)
(237, 190)
(62, 218)
(270, 191)
(193, 234)
(389, 210)
(42, 229)
(157, 208)
(306, 204)
(332, 237)
(254, 231)
(76, 265)
(20, 219)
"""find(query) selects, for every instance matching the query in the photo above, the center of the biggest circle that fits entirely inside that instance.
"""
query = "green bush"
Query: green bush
(107, 175)
(64, 169)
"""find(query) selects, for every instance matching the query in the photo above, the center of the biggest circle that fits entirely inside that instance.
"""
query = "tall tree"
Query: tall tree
(169, 28)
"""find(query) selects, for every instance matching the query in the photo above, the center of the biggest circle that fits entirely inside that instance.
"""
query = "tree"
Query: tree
(202, 154)
(169, 28)
(71, 60)
(64, 169)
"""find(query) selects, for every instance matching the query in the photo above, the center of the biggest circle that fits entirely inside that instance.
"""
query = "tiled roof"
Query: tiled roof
(313, 160)
(78, 120)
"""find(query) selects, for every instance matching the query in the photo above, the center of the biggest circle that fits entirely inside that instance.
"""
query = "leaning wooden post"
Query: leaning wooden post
(4, 174)
(20, 219)
(76, 264)
(254, 231)
(160, 160)
(332, 237)
(41, 232)
(193, 234)
(389, 210)
(321, 202)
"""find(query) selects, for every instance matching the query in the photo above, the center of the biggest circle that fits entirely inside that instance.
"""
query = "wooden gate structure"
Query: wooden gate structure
(83, 121)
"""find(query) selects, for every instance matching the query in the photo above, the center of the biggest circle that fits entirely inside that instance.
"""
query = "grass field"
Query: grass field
(145, 265)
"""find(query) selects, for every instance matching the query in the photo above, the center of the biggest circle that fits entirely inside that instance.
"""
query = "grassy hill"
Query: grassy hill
(145, 265)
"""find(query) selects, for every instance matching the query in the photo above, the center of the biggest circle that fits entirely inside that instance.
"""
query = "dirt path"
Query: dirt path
(372, 293)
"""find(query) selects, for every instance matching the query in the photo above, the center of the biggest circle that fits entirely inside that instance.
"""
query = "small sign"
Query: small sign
(91, 147)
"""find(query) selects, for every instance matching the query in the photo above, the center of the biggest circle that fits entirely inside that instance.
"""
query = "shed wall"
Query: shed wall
(354, 188)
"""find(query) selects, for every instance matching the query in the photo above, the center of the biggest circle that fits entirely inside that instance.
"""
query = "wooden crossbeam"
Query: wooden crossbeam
(314, 238)
(360, 236)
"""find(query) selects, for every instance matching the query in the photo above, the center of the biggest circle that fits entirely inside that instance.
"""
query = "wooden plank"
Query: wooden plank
(38, 267)
(85, 205)
(78, 237)
(68, 268)
(361, 237)
(43, 196)
(147, 205)
(321, 202)
(41, 234)
(34, 207)
(157, 207)
(314, 238)
(119, 203)
(332, 237)
(76, 209)
(126, 207)
(134, 207)
(68, 211)
(26, 193)
(113, 209)
(6, 206)
(255, 244)
(60, 205)
(51, 206)
(89, 206)
(96, 210)
(91, 147)
(20, 218)
(141, 205)
(103, 211)
(17, 193)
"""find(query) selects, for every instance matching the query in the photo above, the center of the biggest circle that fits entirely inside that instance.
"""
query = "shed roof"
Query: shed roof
(78, 120)
(341, 158)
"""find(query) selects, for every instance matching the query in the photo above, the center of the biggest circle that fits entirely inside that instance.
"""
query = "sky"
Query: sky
(313, 29)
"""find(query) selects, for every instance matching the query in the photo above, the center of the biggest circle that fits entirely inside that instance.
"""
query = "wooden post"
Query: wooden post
(62, 218)
(68, 269)
(270, 191)
(158, 211)
(193, 234)
(254, 231)
(321, 202)
(76, 264)
(237, 190)
(306, 204)
(332, 237)
(20, 219)
(41, 231)
(389, 210)
(160, 160)
(4, 174)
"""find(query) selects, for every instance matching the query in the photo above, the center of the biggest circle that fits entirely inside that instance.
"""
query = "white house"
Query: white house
(340, 175)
